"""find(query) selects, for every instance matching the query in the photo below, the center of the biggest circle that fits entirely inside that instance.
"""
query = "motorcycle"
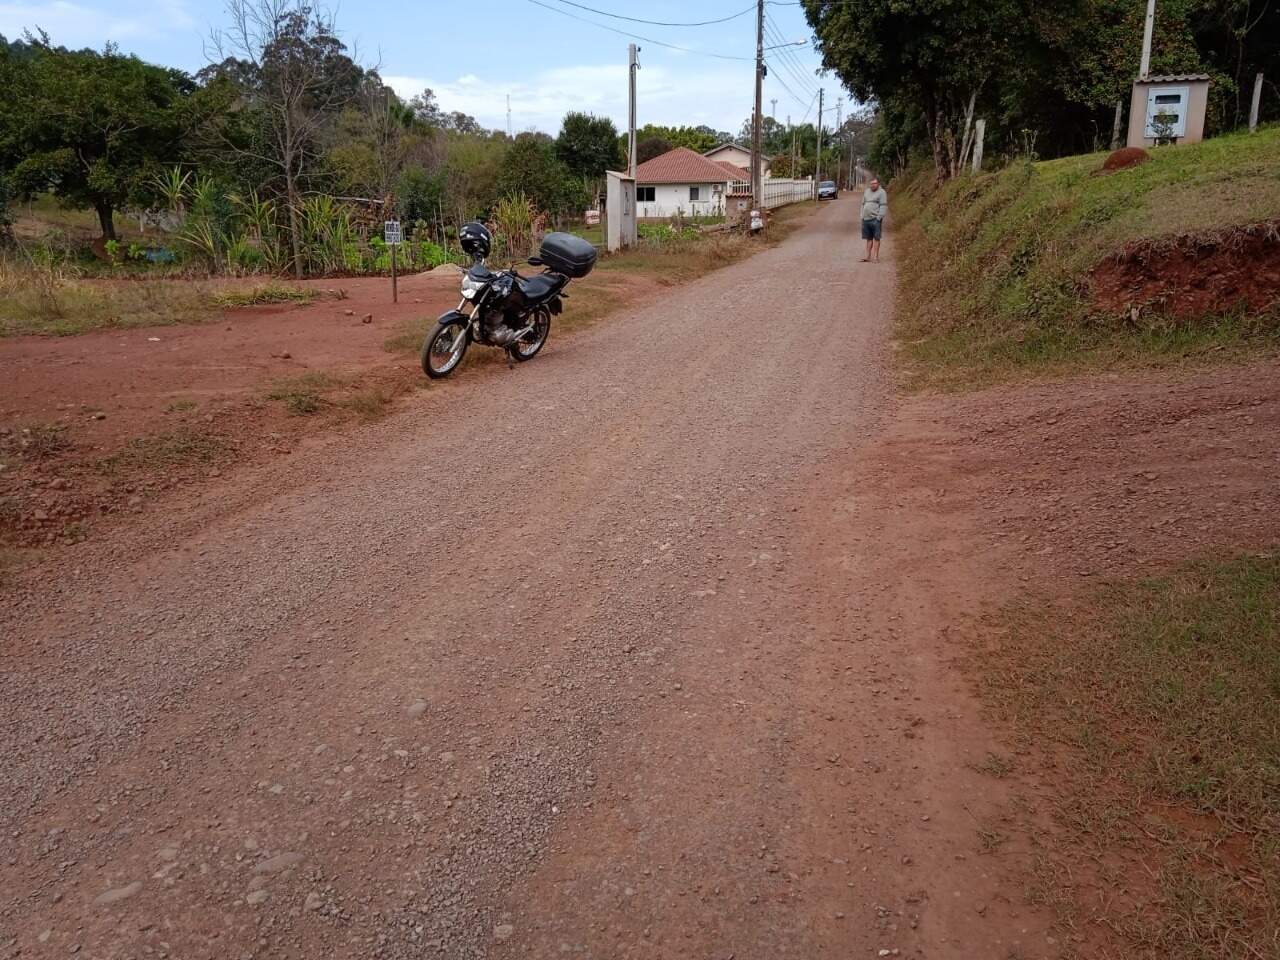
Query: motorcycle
(506, 310)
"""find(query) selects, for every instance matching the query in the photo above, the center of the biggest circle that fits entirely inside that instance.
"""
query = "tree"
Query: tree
(427, 110)
(588, 145)
(530, 167)
(651, 147)
(944, 53)
(295, 77)
(93, 128)
(698, 139)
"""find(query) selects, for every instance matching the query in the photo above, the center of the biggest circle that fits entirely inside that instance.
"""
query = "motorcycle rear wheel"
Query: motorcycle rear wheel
(444, 349)
(527, 347)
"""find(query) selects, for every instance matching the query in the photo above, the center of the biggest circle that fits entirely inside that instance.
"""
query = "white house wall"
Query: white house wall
(670, 199)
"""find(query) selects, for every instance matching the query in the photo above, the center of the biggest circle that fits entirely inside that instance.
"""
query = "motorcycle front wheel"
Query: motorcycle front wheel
(527, 347)
(444, 349)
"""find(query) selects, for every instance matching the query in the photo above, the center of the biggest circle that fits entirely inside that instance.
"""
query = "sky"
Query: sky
(548, 55)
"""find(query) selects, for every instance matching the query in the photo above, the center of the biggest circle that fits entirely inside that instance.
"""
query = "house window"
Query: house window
(645, 194)
(695, 193)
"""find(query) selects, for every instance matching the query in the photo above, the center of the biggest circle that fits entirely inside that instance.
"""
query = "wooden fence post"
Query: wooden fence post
(1257, 101)
(979, 134)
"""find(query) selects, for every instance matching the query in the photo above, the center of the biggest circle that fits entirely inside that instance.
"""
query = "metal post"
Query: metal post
(979, 134)
(632, 66)
(757, 188)
(1115, 126)
(1257, 102)
(395, 293)
(1146, 40)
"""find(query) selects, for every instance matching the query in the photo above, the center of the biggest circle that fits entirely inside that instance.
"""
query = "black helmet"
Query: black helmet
(475, 239)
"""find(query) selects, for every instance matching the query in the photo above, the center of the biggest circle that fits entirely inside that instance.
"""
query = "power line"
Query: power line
(789, 61)
(789, 55)
(635, 36)
(659, 23)
(791, 92)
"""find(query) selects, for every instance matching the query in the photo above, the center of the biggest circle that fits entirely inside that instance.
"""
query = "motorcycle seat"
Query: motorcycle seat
(540, 287)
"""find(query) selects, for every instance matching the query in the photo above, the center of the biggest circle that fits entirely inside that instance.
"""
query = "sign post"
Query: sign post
(391, 234)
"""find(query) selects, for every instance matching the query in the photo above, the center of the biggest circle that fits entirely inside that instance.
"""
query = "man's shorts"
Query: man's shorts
(871, 229)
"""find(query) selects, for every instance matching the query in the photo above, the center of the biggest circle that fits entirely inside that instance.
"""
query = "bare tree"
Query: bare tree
(294, 71)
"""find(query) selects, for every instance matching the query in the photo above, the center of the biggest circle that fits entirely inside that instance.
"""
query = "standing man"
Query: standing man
(875, 204)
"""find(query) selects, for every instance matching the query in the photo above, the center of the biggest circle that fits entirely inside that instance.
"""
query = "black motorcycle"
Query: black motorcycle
(506, 309)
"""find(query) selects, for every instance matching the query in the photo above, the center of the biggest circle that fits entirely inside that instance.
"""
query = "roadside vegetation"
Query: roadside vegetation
(998, 270)
(1159, 702)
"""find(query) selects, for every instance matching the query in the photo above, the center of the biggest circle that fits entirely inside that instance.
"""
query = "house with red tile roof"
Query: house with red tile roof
(683, 182)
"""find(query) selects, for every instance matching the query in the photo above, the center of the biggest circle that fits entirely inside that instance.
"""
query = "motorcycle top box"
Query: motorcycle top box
(567, 254)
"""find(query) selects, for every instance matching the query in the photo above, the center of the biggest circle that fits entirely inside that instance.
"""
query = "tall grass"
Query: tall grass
(994, 267)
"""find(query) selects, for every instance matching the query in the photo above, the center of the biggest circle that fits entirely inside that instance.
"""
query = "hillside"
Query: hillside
(1049, 267)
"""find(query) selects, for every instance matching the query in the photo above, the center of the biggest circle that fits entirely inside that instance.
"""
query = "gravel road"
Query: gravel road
(590, 657)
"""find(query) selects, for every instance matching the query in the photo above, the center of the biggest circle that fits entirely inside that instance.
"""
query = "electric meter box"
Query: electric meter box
(1164, 110)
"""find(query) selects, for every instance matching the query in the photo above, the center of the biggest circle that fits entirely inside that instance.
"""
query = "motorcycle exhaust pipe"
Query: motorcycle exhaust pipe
(506, 340)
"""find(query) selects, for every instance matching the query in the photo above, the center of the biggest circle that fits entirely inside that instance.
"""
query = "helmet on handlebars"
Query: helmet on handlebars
(475, 239)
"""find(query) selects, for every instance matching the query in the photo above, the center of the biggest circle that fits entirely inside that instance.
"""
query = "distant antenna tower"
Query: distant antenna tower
(508, 116)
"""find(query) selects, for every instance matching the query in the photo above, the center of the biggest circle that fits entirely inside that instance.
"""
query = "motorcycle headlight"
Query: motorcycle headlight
(470, 288)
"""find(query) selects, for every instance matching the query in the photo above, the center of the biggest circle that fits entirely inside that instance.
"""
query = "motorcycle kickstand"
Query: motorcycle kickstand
(511, 360)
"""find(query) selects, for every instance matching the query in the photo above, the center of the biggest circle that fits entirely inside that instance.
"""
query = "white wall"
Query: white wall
(740, 158)
(670, 199)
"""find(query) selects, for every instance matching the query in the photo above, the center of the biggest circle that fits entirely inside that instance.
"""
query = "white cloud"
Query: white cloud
(719, 98)
(74, 25)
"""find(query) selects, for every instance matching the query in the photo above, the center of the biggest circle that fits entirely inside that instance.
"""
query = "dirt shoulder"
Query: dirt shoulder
(1053, 523)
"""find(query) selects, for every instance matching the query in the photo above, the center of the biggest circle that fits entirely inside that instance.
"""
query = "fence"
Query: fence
(778, 192)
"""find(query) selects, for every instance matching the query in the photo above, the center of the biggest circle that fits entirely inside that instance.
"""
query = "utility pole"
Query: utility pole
(508, 116)
(817, 157)
(757, 188)
(836, 138)
(1145, 69)
(632, 66)
(792, 147)
(1115, 126)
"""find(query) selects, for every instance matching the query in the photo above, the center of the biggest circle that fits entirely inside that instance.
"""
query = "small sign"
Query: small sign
(391, 231)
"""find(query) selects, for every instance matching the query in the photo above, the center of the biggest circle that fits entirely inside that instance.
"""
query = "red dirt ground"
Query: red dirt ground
(697, 696)
(135, 375)
(204, 383)
(1125, 157)
(1194, 275)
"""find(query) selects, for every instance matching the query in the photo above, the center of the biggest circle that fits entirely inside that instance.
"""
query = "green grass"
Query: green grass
(166, 451)
(264, 293)
(1165, 695)
(305, 394)
(994, 267)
